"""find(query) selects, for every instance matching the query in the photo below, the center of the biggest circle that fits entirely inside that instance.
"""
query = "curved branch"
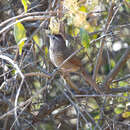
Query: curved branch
(117, 68)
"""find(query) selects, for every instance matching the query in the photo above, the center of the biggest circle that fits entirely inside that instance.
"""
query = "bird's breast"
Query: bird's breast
(55, 57)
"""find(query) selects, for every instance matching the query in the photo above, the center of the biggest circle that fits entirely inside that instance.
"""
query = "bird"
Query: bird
(59, 52)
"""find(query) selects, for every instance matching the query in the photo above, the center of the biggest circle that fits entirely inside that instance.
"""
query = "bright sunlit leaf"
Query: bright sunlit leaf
(21, 44)
(36, 39)
(122, 83)
(125, 94)
(112, 63)
(83, 9)
(25, 4)
(126, 114)
(19, 35)
(46, 51)
(85, 40)
(118, 110)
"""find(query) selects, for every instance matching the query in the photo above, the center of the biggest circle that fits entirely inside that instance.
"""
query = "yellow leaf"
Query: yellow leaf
(19, 35)
(36, 39)
(21, 44)
(83, 9)
(126, 114)
(25, 4)
(46, 51)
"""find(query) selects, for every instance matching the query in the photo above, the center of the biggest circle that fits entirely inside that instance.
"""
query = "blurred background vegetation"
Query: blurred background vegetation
(29, 80)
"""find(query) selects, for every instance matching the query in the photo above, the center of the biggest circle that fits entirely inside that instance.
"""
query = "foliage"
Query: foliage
(19, 35)
(98, 30)
(25, 4)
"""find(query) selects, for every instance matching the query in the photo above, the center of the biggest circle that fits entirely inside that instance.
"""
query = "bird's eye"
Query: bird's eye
(55, 38)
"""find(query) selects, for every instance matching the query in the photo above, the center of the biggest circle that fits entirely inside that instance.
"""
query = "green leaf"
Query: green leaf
(92, 103)
(118, 110)
(112, 62)
(85, 40)
(25, 4)
(19, 35)
(123, 83)
(125, 94)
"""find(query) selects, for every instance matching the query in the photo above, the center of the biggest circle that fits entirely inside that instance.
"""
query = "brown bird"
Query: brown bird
(59, 53)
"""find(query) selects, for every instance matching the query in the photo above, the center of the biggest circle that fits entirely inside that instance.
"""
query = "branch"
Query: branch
(22, 76)
(59, 101)
(119, 90)
(23, 15)
(38, 74)
(47, 109)
(30, 18)
(99, 56)
(120, 79)
(117, 68)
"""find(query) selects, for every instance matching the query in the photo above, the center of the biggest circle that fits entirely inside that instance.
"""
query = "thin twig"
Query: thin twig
(99, 56)
(30, 18)
(123, 78)
(23, 104)
(37, 74)
(22, 76)
(117, 68)
(27, 15)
